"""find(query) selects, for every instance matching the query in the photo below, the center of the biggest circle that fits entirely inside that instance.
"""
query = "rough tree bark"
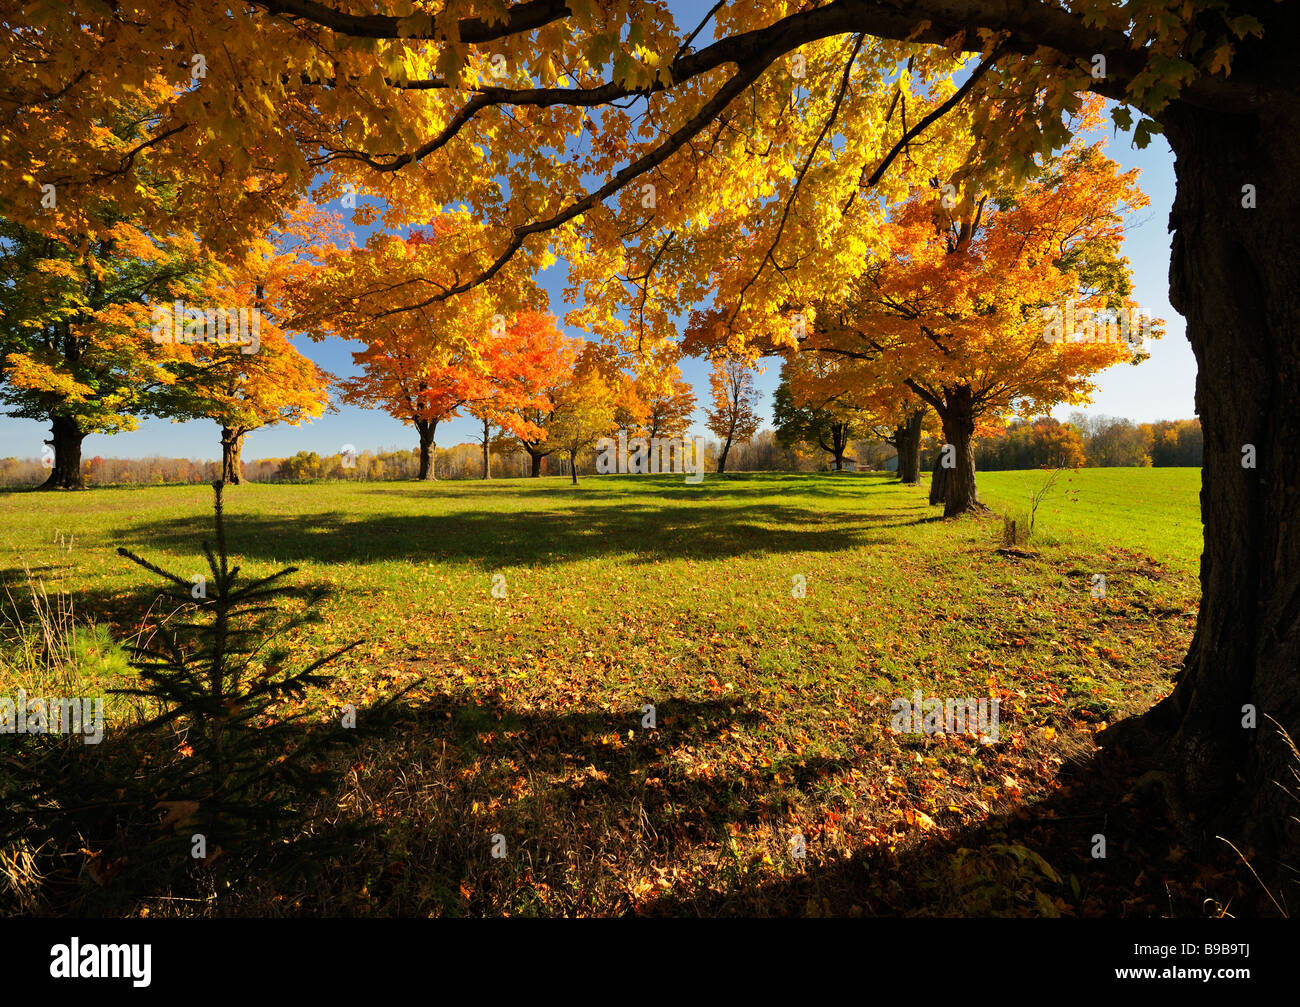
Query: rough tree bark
(938, 480)
(907, 441)
(1233, 276)
(898, 440)
(65, 439)
(958, 416)
(536, 457)
(426, 429)
(232, 448)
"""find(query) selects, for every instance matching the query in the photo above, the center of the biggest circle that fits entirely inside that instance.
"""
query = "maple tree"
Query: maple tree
(732, 418)
(872, 403)
(265, 380)
(475, 101)
(557, 355)
(539, 447)
(414, 381)
(958, 306)
(421, 366)
(585, 406)
(75, 348)
(245, 392)
(1044, 442)
(525, 361)
(828, 418)
(667, 403)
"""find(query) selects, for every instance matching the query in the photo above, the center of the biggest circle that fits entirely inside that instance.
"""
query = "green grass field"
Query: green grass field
(772, 709)
(1155, 510)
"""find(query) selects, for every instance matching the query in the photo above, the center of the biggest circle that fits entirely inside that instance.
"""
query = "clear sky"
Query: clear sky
(1160, 388)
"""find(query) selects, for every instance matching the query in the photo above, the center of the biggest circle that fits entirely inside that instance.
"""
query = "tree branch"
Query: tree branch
(519, 18)
(680, 136)
(933, 117)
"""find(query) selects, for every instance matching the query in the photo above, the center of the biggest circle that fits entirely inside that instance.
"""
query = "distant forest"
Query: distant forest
(1024, 444)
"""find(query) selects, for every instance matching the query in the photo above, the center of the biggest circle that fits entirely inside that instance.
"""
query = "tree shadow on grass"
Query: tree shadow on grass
(544, 537)
(1037, 859)
(580, 805)
(729, 486)
(434, 782)
(928, 519)
(129, 609)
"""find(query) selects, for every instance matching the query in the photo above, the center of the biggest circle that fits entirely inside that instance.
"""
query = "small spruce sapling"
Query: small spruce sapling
(215, 680)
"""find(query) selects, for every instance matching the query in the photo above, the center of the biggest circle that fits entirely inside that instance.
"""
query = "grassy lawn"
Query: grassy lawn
(772, 711)
(1155, 510)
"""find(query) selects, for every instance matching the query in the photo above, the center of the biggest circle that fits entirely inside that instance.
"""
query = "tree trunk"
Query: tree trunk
(487, 456)
(232, 447)
(65, 439)
(1233, 276)
(839, 444)
(959, 494)
(938, 481)
(428, 455)
(573, 466)
(907, 439)
(537, 462)
(722, 458)
(899, 441)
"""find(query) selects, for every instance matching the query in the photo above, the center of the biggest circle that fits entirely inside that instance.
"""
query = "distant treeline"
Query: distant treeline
(1100, 441)
(1027, 444)
(463, 461)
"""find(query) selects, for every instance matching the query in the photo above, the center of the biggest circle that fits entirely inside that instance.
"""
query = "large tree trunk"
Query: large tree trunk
(536, 462)
(722, 458)
(907, 440)
(487, 454)
(1234, 276)
(958, 418)
(428, 457)
(573, 466)
(232, 448)
(65, 439)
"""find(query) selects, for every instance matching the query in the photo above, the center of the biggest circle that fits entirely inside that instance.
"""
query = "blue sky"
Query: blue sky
(1160, 388)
